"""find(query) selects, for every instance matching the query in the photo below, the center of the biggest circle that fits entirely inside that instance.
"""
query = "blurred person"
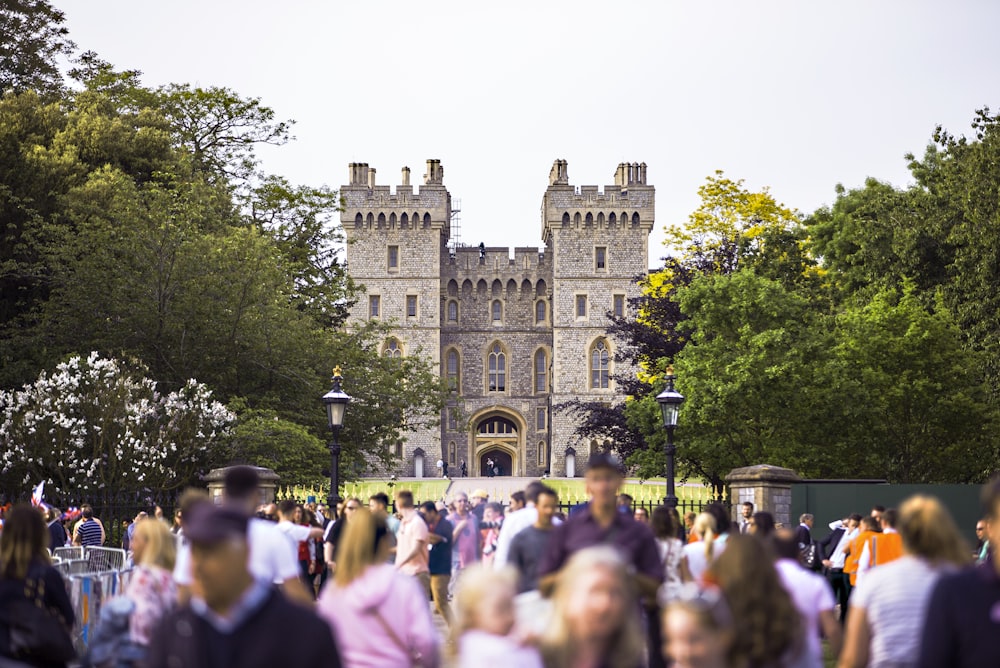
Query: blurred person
(867, 528)
(379, 503)
(698, 628)
(89, 531)
(334, 531)
(412, 541)
(769, 629)
(530, 543)
(518, 500)
(746, 514)
(723, 525)
(439, 539)
(812, 596)
(56, 530)
(595, 621)
(641, 515)
(762, 524)
(890, 603)
(517, 522)
(696, 557)
(151, 587)
(270, 558)
(478, 502)
(964, 609)
(465, 469)
(689, 518)
(31, 587)
(465, 540)
(130, 530)
(175, 528)
(808, 551)
(882, 547)
(836, 561)
(982, 549)
(600, 523)
(299, 537)
(484, 629)
(379, 615)
(626, 503)
(671, 551)
(490, 530)
(158, 515)
(235, 620)
(877, 511)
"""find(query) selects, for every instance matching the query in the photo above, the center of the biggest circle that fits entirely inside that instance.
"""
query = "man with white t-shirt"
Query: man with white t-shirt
(270, 560)
(811, 594)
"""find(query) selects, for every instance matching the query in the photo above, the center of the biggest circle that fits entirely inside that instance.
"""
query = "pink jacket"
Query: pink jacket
(362, 638)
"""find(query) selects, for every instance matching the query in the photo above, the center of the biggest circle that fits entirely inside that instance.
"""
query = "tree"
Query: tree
(97, 423)
(32, 38)
(263, 438)
(916, 408)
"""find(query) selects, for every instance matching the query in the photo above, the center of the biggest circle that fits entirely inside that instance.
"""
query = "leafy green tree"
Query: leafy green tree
(32, 38)
(913, 401)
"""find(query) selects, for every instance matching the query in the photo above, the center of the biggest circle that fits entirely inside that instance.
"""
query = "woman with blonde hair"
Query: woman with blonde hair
(380, 617)
(698, 556)
(151, 587)
(889, 605)
(595, 619)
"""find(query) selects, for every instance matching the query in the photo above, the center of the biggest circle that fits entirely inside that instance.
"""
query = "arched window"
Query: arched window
(496, 310)
(497, 365)
(452, 311)
(452, 453)
(540, 311)
(599, 365)
(541, 453)
(541, 371)
(452, 370)
(393, 348)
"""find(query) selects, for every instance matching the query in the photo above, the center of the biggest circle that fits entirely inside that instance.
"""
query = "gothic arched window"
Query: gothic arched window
(599, 365)
(541, 372)
(393, 348)
(497, 369)
(452, 369)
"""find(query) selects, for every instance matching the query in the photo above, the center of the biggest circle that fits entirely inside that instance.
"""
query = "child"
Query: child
(485, 620)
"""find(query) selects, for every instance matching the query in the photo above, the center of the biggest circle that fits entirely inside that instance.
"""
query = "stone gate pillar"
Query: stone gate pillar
(767, 487)
(266, 490)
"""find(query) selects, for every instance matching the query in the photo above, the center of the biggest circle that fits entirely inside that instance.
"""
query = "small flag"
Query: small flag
(36, 494)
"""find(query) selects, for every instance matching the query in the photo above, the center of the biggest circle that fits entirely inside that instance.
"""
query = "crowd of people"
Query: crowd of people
(234, 583)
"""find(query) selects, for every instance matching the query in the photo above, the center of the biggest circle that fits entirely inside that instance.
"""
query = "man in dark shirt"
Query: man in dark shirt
(529, 544)
(600, 523)
(963, 617)
(236, 622)
(439, 561)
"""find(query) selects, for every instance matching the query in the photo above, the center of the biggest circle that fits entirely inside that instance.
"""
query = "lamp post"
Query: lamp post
(670, 401)
(336, 401)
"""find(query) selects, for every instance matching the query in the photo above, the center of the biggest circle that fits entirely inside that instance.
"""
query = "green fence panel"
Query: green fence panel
(829, 501)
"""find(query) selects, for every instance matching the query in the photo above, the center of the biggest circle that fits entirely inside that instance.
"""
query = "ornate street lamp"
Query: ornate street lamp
(670, 401)
(336, 401)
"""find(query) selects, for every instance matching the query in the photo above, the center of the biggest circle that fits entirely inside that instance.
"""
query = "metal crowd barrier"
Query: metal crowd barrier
(68, 552)
(88, 592)
(106, 559)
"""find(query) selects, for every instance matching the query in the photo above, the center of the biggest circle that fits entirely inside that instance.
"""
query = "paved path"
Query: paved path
(499, 488)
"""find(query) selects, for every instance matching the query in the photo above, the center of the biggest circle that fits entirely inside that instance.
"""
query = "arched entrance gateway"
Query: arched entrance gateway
(498, 438)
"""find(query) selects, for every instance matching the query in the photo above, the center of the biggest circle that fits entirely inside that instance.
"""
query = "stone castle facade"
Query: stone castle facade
(514, 333)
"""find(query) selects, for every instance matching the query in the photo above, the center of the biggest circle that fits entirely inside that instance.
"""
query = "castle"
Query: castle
(514, 334)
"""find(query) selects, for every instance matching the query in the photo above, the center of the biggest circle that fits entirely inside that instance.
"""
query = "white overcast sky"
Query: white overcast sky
(795, 95)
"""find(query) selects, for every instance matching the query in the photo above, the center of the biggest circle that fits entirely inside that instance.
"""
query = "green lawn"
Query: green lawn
(574, 491)
(430, 488)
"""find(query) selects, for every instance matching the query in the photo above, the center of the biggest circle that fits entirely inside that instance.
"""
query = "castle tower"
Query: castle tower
(598, 242)
(396, 245)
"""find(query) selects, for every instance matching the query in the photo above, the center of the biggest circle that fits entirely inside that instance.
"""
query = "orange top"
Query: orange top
(693, 537)
(885, 547)
(854, 553)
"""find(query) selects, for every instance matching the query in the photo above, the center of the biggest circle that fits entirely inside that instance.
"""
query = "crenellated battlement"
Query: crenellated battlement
(490, 260)
(626, 204)
(368, 205)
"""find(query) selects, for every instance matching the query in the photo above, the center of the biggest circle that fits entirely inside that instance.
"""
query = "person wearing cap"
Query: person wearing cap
(270, 558)
(478, 500)
(234, 620)
(600, 523)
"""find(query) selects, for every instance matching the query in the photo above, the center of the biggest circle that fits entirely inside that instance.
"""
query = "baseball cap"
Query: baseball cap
(207, 524)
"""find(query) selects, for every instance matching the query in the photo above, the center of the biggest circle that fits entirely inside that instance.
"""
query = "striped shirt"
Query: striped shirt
(895, 598)
(89, 533)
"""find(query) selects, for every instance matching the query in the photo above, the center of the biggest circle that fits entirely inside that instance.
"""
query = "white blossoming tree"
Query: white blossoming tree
(99, 425)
